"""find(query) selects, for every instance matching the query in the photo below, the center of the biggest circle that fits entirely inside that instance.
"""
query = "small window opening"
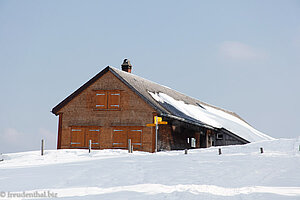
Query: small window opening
(219, 136)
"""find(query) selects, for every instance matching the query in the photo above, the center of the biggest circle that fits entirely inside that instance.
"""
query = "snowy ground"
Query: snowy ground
(241, 172)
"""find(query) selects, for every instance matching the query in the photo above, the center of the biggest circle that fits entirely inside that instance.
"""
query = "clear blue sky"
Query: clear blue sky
(243, 56)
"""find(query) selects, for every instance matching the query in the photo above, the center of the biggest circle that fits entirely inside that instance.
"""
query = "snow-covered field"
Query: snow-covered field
(241, 172)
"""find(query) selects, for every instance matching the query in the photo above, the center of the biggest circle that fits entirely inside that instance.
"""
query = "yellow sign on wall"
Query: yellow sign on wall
(157, 120)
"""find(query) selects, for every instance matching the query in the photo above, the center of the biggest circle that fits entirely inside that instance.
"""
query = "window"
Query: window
(193, 142)
(219, 136)
(108, 100)
(101, 100)
(113, 100)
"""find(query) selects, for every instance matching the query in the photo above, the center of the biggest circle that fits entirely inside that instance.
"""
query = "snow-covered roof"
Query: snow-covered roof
(213, 117)
(176, 104)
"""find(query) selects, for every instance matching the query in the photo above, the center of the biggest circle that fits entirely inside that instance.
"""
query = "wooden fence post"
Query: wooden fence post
(129, 146)
(90, 146)
(42, 147)
(261, 150)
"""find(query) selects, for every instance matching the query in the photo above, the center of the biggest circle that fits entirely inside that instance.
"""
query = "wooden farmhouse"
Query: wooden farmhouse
(115, 105)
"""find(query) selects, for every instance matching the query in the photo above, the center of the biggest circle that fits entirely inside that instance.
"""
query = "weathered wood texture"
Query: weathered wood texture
(82, 112)
(165, 138)
(226, 139)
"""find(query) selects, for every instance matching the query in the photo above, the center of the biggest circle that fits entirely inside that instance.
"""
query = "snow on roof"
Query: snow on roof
(213, 117)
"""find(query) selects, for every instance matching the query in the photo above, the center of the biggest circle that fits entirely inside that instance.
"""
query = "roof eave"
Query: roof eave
(235, 135)
(57, 108)
(188, 121)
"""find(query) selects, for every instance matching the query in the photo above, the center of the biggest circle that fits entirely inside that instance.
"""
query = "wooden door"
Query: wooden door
(77, 137)
(135, 134)
(93, 133)
(119, 138)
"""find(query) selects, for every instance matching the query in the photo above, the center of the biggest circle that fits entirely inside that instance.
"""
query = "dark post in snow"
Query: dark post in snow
(1, 159)
(261, 150)
(90, 146)
(129, 146)
(156, 136)
(42, 148)
(220, 151)
(185, 151)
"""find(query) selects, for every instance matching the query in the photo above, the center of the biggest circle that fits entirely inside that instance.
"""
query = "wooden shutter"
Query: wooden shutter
(93, 133)
(77, 137)
(114, 100)
(119, 138)
(101, 100)
(135, 134)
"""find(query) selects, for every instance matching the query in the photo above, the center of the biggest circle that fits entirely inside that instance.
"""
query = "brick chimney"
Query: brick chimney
(126, 66)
